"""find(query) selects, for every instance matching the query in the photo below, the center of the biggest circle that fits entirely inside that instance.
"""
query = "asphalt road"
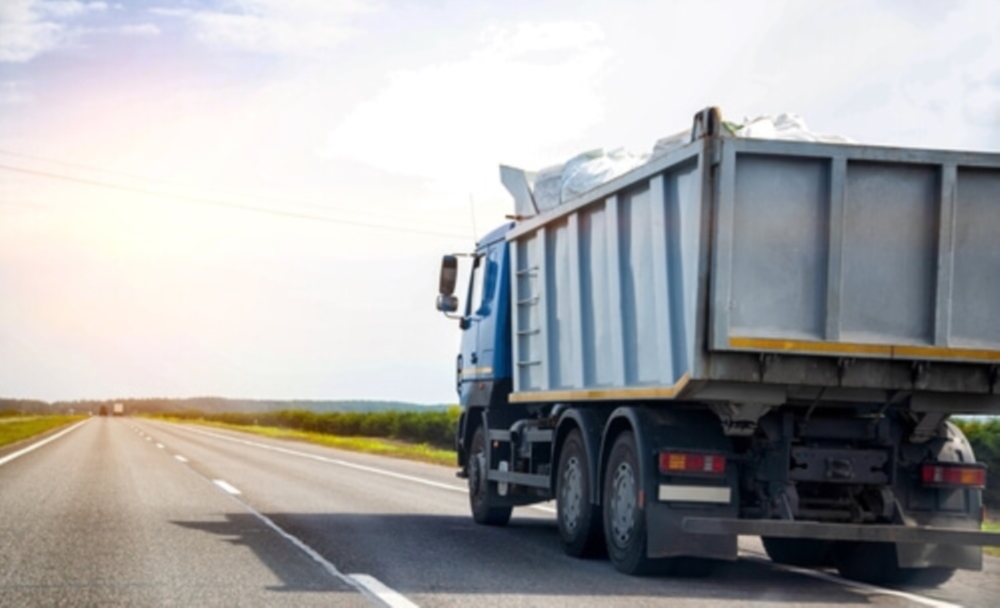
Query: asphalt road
(136, 512)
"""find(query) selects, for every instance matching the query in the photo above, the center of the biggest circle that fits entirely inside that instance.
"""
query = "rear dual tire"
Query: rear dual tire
(579, 520)
(875, 563)
(625, 529)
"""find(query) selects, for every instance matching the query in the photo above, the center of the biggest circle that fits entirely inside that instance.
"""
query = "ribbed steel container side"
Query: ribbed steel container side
(675, 271)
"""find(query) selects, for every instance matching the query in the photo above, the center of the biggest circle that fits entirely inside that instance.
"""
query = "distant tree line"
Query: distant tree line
(157, 405)
(20, 407)
(434, 427)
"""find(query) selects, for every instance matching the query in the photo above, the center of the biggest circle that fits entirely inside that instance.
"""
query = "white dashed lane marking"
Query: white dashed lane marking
(226, 487)
(384, 594)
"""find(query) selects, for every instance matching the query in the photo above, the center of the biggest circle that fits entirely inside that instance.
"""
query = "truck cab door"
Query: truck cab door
(475, 364)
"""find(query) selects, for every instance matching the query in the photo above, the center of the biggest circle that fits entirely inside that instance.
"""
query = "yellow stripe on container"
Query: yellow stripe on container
(849, 348)
(601, 394)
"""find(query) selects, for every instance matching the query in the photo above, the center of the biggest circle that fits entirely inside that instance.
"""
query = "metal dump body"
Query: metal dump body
(766, 269)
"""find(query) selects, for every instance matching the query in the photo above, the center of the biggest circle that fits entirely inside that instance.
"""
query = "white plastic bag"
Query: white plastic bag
(547, 188)
(591, 169)
(584, 172)
(787, 126)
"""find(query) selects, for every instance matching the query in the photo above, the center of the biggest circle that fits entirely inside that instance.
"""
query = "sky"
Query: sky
(250, 198)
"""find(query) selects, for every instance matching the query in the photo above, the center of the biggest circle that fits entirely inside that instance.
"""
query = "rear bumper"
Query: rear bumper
(843, 532)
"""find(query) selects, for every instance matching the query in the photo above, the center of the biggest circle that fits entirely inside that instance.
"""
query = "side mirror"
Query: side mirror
(447, 303)
(449, 275)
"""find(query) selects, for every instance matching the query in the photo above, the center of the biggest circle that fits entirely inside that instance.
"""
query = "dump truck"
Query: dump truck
(741, 337)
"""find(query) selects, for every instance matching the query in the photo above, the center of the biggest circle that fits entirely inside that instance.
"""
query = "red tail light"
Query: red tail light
(692, 463)
(948, 474)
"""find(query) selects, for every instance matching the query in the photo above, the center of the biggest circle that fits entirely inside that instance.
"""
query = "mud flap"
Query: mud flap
(668, 539)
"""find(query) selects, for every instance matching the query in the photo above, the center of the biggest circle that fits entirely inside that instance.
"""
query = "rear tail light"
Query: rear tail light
(692, 463)
(949, 474)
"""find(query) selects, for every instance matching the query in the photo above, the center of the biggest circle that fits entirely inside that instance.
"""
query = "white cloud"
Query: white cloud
(143, 30)
(274, 26)
(904, 74)
(13, 92)
(29, 28)
(454, 122)
(171, 12)
(256, 33)
(534, 37)
(63, 9)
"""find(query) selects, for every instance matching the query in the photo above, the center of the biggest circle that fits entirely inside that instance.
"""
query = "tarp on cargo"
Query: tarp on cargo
(584, 172)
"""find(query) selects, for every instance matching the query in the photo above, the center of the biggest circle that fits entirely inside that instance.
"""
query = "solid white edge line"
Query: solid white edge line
(830, 578)
(45, 441)
(160, 445)
(226, 487)
(384, 594)
(180, 458)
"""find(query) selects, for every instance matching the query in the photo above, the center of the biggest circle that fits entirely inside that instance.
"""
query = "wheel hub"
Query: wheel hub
(571, 496)
(623, 505)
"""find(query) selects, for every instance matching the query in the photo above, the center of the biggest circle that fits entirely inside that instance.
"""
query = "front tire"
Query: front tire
(579, 519)
(482, 493)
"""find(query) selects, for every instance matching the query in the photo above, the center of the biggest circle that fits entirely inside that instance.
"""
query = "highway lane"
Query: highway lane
(101, 516)
(408, 524)
(216, 517)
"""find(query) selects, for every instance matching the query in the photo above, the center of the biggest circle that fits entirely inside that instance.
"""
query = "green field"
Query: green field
(16, 429)
(369, 445)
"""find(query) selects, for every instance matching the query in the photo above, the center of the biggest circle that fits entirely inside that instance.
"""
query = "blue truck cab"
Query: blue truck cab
(484, 362)
(483, 368)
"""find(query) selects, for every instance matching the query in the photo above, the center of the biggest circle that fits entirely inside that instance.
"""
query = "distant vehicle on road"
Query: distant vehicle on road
(103, 411)
(118, 409)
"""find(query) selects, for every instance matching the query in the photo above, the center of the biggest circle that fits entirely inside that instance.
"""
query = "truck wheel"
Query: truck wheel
(875, 563)
(801, 552)
(579, 520)
(482, 495)
(624, 521)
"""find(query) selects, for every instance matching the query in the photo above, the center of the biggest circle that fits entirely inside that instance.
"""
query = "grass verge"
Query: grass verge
(24, 428)
(368, 445)
(992, 526)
